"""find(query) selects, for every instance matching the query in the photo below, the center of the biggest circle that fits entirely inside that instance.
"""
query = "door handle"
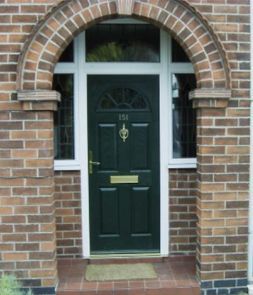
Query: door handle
(92, 163)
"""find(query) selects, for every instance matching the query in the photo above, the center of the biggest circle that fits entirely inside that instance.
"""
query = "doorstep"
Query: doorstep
(176, 276)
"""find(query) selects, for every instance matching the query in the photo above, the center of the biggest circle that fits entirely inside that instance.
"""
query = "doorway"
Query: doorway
(124, 165)
(167, 69)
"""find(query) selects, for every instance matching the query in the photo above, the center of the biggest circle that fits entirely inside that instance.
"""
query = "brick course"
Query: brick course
(182, 208)
(27, 200)
(187, 26)
(68, 214)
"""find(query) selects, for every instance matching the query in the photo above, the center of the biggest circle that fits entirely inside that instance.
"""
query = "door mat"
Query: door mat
(114, 272)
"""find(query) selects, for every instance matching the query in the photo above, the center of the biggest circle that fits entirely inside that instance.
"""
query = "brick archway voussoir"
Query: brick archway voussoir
(67, 19)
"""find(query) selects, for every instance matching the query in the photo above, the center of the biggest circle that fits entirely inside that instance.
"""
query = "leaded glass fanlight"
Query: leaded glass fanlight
(122, 99)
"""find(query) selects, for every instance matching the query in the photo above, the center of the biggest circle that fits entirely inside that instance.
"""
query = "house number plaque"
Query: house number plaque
(123, 117)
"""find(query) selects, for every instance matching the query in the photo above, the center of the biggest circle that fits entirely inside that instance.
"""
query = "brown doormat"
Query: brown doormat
(113, 272)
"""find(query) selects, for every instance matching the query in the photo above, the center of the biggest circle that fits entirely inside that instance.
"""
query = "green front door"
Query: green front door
(124, 181)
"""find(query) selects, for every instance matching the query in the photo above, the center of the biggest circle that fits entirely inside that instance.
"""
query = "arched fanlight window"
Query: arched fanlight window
(122, 99)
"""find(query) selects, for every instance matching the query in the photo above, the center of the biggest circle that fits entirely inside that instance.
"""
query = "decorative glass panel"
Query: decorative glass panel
(122, 98)
(68, 54)
(123, 43)
(64, 117)
(184, 116)
(178, 53)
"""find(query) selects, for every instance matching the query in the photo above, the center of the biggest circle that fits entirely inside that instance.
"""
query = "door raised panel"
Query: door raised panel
(140, 211)
(107, 143)
(109, 211)
(139, 147)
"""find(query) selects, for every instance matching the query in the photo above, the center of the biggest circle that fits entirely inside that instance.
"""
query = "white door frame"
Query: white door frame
(125, 69)
(80, 68)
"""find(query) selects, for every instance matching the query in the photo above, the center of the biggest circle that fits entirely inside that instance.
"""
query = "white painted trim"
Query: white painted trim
(181, 68)
(83, 121)
(65, 68)
(164, 146)
(183, 162)
(77, 98)
(66, 165)
(80, 68)
(250, 243)
(69, 165)
(109, 68)
(182, 166)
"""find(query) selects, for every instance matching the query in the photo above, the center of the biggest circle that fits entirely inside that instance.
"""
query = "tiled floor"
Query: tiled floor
(176, 276)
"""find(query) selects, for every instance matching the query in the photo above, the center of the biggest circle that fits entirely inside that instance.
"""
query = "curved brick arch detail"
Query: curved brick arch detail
(67, 19)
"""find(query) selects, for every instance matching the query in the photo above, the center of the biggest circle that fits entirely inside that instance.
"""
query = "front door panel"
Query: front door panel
(123, 124)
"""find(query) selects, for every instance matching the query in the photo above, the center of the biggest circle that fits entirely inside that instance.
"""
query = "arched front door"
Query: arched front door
(123, 127)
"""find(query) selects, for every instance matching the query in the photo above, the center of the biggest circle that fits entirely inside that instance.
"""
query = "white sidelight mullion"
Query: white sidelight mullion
(164, 146)
(83, 149)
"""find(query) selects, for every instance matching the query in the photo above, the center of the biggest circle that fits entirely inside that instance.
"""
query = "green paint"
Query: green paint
(124, 217)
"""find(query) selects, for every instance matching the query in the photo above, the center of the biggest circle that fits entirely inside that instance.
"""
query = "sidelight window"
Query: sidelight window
(183, 116)
(64, 118)
(124, 48)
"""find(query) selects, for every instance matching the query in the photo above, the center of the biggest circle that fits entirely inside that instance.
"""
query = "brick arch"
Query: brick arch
(67, 19)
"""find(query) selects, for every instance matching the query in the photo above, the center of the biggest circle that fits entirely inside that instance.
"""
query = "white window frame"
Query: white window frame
(81, 69)
(176, 68)
(71, 68)
(129, 68)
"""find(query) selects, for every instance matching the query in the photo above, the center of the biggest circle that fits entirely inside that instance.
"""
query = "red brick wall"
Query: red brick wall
(68, 214)
(182, 206)
(27, 227)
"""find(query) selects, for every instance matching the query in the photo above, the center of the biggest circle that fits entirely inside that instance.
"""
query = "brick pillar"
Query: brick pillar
(27, 193)
(210, 193)
(221, 199)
